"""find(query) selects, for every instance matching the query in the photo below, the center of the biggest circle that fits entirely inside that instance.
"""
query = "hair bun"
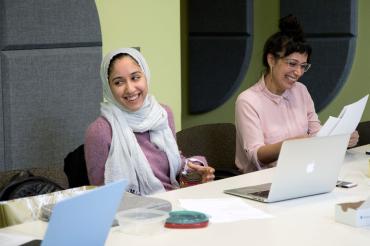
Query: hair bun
(290, 26)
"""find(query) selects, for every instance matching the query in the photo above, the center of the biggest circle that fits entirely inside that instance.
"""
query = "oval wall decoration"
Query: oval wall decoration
(220, 44)
(331, 29)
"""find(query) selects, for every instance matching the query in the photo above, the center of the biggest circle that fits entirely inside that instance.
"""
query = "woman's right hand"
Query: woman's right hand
(206, 172)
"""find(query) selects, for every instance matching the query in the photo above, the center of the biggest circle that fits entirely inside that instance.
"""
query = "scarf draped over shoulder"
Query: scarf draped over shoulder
(125, 158)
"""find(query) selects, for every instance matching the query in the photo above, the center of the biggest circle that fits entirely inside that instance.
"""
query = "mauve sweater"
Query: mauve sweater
(97, 144)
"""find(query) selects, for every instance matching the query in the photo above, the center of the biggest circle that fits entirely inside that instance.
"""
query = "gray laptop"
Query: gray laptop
(305, 167)
(84, 219)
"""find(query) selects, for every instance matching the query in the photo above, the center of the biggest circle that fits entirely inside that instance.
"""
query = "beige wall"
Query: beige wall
(154, 26)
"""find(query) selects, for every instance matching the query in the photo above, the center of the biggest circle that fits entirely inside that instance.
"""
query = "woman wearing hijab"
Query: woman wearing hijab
(134, 138)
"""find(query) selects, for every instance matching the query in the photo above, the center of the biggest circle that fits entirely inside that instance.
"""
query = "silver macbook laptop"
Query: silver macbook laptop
(305, 167)
(84, 219)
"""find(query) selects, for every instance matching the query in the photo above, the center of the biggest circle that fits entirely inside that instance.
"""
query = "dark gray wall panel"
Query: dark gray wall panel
(220, 44)
(331, 28)
(216, 64)
(324, 17)
(48, 23)
(50, 96)
(50, 53)
(1, 122)
(326, 77)
(220, 16)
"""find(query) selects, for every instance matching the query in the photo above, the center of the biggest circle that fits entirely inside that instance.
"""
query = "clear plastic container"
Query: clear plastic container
(141, 221)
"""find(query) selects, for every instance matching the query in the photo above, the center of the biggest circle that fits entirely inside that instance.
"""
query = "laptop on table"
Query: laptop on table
(305, 167)
(84, 219)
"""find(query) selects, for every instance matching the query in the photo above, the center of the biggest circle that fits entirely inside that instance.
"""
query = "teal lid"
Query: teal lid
(186, 219)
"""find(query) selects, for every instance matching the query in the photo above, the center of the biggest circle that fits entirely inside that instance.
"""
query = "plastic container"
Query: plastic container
(141, 221)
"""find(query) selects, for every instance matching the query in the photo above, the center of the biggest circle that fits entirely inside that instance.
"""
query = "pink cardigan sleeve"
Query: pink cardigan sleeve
(97, 143)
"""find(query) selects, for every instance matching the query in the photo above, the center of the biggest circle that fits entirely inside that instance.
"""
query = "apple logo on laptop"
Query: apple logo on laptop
(310, 167)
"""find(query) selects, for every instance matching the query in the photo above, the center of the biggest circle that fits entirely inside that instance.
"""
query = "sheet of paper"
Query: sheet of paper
(347, 120)
(351, 117)
(224, 209)
(12, 239)
(328, 127)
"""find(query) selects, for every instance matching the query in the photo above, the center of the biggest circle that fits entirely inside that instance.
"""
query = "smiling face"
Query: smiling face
(128, 83)
(285, 71)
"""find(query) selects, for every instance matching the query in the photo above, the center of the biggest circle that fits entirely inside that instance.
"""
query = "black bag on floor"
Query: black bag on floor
(26, 184)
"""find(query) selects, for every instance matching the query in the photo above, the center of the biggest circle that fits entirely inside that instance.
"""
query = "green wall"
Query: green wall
(266, 16)
(154, 26)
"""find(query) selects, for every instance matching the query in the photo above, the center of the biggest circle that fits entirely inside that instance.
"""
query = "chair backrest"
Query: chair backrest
(363, 129)
(215, 141)
(54, 173)
(75, 168)
(25, 183)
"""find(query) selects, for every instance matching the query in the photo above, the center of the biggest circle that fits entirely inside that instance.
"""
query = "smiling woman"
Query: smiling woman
(134, 138)
(127, 82)
(285, 71)
(278, 107)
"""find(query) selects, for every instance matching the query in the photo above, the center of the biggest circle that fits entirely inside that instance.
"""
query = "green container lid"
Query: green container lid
(185, 219)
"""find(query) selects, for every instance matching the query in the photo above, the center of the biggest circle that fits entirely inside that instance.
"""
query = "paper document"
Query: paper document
(347, 120)
(328, 127)
(224, 209)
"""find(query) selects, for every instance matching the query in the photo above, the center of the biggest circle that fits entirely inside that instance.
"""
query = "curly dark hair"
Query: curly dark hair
(288, 40)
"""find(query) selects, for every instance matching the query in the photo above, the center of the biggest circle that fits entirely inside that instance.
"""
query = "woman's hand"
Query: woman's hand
(353, 140)
(206, 172)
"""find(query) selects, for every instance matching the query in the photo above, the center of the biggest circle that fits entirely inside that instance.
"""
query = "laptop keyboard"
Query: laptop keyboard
(264, 193)
(257, 190)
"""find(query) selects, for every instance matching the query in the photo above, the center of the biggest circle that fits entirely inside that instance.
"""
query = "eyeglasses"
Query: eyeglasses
(293, 64)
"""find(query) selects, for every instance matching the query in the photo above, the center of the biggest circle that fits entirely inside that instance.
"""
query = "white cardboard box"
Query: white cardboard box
(353, 213)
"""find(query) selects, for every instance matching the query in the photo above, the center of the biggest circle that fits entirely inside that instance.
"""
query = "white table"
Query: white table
(303, 221)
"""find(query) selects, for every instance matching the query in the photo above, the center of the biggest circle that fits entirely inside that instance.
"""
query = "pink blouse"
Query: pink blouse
(263, 118)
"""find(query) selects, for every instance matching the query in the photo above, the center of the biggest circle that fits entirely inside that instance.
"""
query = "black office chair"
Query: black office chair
(75, 168)
(216, 142)
(363, 129)
(25, 183)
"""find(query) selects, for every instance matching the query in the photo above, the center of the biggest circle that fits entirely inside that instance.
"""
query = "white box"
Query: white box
(353, 213)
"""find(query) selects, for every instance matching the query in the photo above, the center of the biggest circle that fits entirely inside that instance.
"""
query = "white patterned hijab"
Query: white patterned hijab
(126, 159)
